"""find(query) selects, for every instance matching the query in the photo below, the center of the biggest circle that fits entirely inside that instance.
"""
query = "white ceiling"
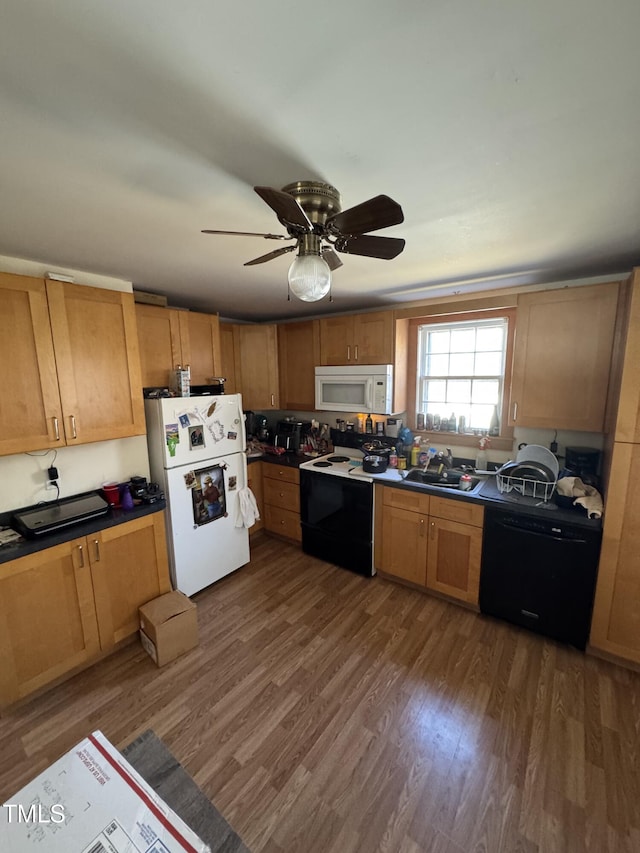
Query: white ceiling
(508, 130)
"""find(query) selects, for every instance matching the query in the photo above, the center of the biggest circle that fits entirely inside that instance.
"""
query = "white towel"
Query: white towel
(585, 496)
(247, 512)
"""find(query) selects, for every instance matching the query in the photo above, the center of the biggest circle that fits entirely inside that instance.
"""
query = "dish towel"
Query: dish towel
(585, 496)
(247, 512)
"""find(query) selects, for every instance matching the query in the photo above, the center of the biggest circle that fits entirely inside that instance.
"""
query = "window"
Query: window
(461, 371)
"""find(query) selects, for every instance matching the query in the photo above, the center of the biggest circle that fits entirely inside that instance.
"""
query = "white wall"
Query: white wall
(81, 468)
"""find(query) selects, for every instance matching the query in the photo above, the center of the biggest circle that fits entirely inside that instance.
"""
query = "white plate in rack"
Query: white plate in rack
(542, 455)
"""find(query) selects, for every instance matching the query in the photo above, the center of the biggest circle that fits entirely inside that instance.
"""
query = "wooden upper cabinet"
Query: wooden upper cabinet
(227, 358)
(626, 425)
(256, 361)
(562, 357)
(95, 340)
(200, 336)
(30, 409)
(298, 354)
(159, 342)
(357, 339)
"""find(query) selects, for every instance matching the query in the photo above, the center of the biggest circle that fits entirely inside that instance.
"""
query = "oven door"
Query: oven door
(336, 515)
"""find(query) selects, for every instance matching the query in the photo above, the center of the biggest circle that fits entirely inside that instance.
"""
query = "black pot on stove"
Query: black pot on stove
(375, 447)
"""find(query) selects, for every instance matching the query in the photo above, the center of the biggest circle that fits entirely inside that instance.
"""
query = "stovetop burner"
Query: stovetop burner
(322, 464)
(338, 459)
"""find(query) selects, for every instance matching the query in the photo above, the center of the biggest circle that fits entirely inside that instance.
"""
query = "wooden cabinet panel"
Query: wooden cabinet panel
(283, 522)
(357, 339)
(254, 481)
(627, 418)
(256, 360)
(462, 511)
(227, 359)
(562, 356)
(129, 567)
(453, 564)
(615, 625)
(159, 344)
(95, 340)
(284, 495)
(404, 544)
(275, 472)
(405, 499)
(298, 355)
(200, 336)
(47, 618)
(30, 412)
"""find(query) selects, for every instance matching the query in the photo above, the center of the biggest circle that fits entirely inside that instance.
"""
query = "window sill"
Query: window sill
(451, 439)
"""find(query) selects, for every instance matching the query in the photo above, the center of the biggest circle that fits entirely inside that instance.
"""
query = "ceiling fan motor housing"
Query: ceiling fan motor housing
(318, 200)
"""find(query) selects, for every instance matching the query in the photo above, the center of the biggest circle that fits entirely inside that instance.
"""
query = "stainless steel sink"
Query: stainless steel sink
(447, 480)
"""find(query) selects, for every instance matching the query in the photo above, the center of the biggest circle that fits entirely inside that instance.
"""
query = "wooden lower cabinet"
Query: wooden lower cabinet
(254, 481)
(61, 607)
(281, 487)
(129, 566)
(430, 541)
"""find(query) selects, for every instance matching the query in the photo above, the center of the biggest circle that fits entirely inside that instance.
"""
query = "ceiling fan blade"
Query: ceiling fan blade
(249, 234)
(372, 247)
(331, 257)
(286, 208)
(269, 257)
(378, 212)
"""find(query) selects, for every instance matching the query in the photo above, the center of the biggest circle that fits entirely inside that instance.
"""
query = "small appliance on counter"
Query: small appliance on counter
(291, 435)
(257, 426)
(394, 425)
(582, 462)
(63, 513)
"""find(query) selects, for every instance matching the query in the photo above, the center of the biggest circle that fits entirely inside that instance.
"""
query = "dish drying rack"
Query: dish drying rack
(525, 486)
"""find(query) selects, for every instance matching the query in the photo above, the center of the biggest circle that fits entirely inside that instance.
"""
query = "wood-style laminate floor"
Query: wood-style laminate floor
(328, 712)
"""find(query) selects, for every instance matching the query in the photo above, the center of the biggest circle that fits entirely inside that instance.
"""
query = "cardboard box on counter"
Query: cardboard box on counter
(168, 626)
(92, 801)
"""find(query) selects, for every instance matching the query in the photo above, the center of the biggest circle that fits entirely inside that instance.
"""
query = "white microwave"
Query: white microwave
(355, 388)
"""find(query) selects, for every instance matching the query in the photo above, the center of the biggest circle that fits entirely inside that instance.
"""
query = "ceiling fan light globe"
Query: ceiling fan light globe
(309, 278)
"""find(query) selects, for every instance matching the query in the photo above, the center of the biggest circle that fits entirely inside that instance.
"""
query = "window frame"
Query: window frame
(504, 441)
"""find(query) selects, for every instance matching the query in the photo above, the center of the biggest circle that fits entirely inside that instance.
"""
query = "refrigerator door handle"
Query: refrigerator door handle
(243, 426)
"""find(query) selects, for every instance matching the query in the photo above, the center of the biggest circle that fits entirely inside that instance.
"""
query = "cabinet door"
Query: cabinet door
(298, 354)
(227, 359)
(562, 355)
(453, 565)
(47, 618)
(284, 495)
(159, 344)
(30, 412)
(615, 625)
(129, 566)
(336, 341)
(95, 340)
(254, 481)
(282, 522)
(200, 335)
(373, 338)
(256, 356)
(404, 544)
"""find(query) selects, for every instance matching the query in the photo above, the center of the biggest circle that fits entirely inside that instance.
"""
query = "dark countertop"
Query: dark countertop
(488, 495)
(114, 517)
(286, 460)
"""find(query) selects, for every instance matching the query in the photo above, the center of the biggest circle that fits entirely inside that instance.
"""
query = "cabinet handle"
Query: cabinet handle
(515, 411)
(273, 401)
(56, 429)
(73, 426)
(97, 544)
(281, 494)
(422, 527)
(356, 356)
(282, 522)
(81, 556)
(348, 352)
(433, 530)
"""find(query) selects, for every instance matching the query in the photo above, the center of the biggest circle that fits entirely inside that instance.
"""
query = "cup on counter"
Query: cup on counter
(112, 493)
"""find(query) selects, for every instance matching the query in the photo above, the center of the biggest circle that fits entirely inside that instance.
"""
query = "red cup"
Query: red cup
(112, 493)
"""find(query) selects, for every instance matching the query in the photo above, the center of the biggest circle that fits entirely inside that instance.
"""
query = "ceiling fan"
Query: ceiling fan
(312, 214)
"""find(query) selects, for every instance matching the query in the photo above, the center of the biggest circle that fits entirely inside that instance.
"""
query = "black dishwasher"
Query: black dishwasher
(539, 573)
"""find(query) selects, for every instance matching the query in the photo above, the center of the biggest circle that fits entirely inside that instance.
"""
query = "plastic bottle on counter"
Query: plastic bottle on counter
(368, 425)
(393, 458)
(415, 451)
(481, 456)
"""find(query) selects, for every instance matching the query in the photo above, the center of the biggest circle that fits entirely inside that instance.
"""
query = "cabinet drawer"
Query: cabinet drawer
(285, 495)
(466, 512)
(284, 474)
(404, 499)
(283, 522)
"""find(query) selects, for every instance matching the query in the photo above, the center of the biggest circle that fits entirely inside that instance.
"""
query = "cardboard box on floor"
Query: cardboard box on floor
(93, 801)
(168, 626)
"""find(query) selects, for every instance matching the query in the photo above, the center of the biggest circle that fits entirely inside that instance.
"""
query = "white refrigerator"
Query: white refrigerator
(197, 455)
